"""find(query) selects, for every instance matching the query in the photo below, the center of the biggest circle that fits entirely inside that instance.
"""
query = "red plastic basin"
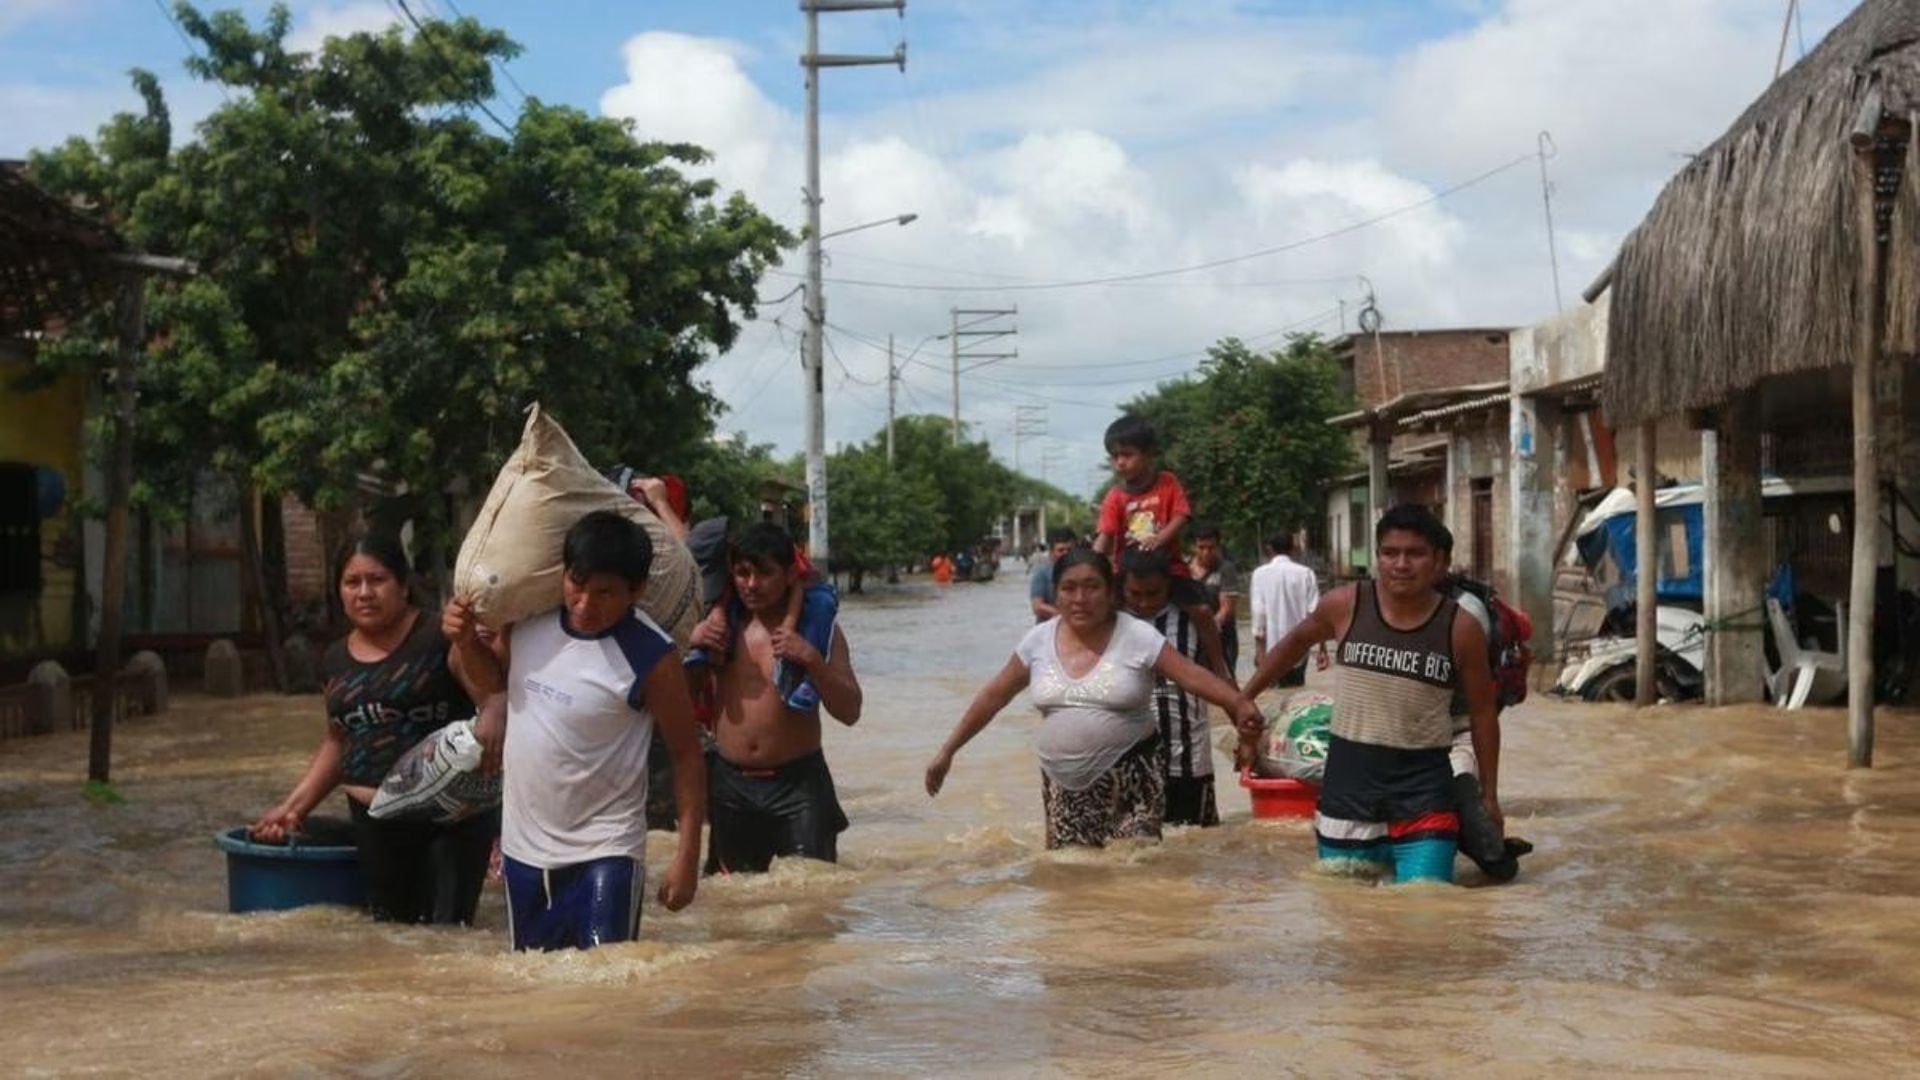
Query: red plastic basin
(1280, 798)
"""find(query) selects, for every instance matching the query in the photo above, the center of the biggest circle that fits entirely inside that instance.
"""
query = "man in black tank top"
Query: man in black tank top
(1388, 797)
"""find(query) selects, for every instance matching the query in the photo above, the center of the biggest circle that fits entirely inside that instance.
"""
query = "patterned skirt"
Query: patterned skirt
(1128, 800)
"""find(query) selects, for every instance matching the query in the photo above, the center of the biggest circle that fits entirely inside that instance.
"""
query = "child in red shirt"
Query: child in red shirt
(1146, 510)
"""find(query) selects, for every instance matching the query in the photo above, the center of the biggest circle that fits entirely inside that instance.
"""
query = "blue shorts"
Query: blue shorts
(573, 907)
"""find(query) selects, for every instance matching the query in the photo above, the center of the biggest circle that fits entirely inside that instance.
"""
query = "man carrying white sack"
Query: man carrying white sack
(586, 685)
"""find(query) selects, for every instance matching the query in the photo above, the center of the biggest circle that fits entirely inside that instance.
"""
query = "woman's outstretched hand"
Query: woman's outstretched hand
(937, 772)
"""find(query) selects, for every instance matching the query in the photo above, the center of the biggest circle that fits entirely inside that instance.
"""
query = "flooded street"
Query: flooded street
(1713, 893)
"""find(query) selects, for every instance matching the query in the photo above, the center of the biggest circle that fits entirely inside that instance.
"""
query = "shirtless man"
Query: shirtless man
(769, 791)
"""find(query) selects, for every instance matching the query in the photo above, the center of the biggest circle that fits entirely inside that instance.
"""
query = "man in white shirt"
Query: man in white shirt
(1283, 593)
(586, 685)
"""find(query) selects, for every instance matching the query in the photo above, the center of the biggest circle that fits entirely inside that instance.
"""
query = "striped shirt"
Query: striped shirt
(1395, 687)
(1182, 716)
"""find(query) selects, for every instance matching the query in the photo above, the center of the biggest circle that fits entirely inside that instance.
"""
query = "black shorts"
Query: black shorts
(422, 872)
(1296, 677)
(1368, 783)
(757, 814)
(1190, 801)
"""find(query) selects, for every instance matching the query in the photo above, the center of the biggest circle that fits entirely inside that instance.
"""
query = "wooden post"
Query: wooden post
(130, 315)
(1379, 443)
(1647, 558)
(254, 583)
(1866, 463)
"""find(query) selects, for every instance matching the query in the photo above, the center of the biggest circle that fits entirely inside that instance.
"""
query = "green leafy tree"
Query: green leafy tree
(882, 517)
(385, 283)
(1248, 434)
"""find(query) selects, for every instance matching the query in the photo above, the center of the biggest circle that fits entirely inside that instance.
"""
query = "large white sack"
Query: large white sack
(509, 565)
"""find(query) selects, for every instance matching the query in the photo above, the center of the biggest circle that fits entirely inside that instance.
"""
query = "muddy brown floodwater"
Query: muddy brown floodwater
(1713, 894)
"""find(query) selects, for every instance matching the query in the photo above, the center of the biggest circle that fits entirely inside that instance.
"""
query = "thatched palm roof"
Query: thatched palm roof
(1746, 266)
(53, 261)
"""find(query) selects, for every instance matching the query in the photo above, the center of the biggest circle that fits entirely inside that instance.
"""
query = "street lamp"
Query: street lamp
(814, 361)
(902, 219)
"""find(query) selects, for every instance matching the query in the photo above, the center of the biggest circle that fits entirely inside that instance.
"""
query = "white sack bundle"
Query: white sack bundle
(509, 565)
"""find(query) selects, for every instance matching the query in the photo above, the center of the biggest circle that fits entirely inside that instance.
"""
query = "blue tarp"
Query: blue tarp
(1616, 537)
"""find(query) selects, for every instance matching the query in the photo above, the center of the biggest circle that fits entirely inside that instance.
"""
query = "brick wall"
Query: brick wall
(306, 554)
(1413, 360)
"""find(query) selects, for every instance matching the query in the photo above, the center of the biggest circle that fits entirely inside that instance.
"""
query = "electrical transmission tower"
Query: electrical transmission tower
(973, 342)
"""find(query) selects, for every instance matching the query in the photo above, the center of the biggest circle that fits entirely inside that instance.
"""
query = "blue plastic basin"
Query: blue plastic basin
(275, 877)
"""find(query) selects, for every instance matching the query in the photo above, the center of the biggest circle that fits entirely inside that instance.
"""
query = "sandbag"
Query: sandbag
(509, 565)
(438, 780)
(1294, 744)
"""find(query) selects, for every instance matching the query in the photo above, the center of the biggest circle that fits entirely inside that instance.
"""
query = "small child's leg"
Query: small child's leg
(820, 605)
(717, 616)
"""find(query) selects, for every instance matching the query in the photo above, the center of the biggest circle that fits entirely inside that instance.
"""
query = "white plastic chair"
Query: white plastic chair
(1804, 675)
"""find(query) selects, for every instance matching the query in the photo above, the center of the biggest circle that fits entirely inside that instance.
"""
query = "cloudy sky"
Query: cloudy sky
(1044, 144)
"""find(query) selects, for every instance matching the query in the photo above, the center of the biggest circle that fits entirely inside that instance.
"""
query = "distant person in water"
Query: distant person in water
(586, 686)
(1403, 648)
(772, 794)
(1040, 580)
(1090, 671)
(391, 682)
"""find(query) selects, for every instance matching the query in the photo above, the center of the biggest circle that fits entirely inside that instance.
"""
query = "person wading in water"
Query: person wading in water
(770, 793)
(1388, 796)
(1091, 672)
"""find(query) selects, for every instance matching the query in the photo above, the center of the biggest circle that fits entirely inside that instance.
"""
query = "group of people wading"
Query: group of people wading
(1128, 649)
(1127, 653)
(573, 705)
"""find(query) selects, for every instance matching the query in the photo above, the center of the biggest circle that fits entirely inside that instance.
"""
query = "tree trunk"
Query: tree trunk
(130, 314)
(254, 583)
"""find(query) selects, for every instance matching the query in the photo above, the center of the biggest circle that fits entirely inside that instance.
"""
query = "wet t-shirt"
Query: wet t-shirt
(1088, 724)
(1133, 517)
(386, 706)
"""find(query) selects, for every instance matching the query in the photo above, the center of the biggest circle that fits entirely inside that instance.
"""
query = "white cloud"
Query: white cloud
(1171, 135)
(319, 23)
(682, 88)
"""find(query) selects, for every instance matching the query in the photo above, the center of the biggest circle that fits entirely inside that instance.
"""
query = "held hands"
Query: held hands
(1247, 719)
(677, 889)
(457, 623)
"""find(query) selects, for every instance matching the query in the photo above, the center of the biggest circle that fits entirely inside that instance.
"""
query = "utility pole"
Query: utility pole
(980, 325)
(1027, 420)
(816, 304)
(893, 389)
(1547, 149)
(1049, 457)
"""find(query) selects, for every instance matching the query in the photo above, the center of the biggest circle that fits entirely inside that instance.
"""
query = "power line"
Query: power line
(844, 370)
(192, 49)
(1292, 245)
(1281, 283)
(500, 65)
(1300, 324)
(772, 377)
(446, 64)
